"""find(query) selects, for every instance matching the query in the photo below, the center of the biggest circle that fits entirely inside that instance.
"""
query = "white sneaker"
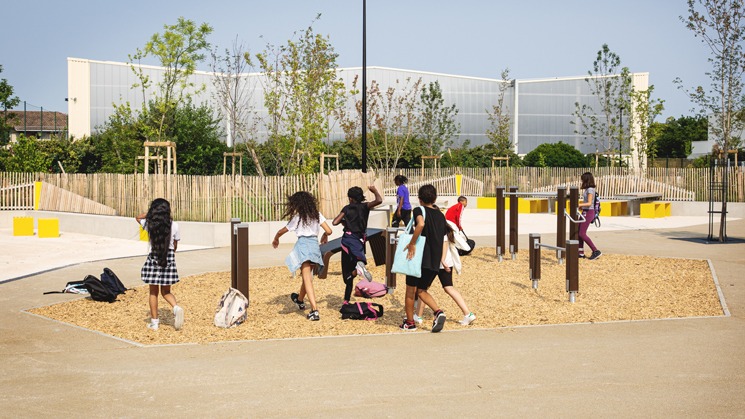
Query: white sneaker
(178, 317)
(417, 319)
(152, 326)
(468, 319)
(362, 271)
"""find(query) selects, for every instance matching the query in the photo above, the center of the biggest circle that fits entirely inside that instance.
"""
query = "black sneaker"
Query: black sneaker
(408, 327)
(595, 254)
(581, 256)
(314, 316)
(439, 321)
(300, 304)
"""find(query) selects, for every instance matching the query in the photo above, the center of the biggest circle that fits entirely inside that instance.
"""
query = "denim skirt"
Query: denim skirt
(306, 250)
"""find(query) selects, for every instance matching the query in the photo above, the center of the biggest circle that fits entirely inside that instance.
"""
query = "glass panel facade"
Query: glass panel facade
(545, 107)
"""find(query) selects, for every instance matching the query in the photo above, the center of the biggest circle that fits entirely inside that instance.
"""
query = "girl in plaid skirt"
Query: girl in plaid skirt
(306, 222)
(159, 270)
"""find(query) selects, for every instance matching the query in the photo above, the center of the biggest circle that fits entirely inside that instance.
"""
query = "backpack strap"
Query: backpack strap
(375, 313)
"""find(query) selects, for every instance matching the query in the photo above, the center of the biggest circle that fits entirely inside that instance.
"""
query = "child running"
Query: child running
(306, 222)
(159, 270)
(430, 223)
(354, 217)
(403, 206)
(450, 260)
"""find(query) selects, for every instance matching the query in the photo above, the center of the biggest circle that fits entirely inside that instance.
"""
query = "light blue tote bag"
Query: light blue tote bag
(413, 266)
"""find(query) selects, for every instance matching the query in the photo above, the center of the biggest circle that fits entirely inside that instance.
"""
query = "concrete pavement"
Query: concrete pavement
(664, 368)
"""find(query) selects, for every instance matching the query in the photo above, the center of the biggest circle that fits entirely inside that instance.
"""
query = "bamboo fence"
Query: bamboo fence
(253, 198)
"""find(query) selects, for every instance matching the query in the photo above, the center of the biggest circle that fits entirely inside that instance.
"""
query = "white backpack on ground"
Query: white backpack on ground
(232, 309)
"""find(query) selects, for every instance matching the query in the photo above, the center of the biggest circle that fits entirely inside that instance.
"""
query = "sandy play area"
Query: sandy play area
(612, 288)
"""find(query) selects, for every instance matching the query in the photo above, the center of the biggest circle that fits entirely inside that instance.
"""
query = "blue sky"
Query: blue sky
(533, 38)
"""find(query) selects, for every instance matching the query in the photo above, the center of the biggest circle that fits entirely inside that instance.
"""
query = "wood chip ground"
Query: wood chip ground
(612, 288)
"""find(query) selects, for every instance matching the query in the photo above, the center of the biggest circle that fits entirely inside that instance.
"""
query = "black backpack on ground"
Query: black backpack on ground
(97, 290)
(361, 311)
(112, 282)
(72, 287)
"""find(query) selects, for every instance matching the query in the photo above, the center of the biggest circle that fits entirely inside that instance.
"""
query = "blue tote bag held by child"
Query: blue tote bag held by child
(413, 266)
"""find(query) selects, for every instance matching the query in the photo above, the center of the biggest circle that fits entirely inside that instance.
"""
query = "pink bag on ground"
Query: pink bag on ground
(370, 289)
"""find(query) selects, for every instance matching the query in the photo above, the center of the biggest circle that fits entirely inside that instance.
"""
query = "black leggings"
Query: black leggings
(405, 217)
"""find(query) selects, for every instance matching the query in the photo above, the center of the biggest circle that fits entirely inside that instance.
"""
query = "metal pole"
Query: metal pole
(572, 271)
(364, 86)
(242, 263)
(234, 252)
(513, 222)
(500, 223)
(561, 220)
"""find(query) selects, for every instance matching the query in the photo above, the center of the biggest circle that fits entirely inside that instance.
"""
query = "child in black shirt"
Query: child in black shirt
(354, 218)
(431, 225)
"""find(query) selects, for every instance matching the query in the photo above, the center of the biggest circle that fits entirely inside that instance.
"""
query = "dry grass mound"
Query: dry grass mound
(614, 287)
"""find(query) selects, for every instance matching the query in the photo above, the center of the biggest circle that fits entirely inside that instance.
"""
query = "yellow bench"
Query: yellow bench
(656, 209)
(48, 227)
(532, 205)
(486, 202)
(23, 226)
(614, 208)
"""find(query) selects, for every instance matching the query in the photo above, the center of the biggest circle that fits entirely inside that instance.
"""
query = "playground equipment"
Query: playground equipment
(571, 249)
(561, 217)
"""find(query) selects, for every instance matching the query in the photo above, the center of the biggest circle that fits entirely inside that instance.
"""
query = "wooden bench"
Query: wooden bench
(375, 238)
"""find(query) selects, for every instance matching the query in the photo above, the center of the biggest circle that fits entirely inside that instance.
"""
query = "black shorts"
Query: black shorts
(422, 283)
(446, 278)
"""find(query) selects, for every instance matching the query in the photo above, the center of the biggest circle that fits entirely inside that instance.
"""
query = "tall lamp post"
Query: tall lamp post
(364, 86)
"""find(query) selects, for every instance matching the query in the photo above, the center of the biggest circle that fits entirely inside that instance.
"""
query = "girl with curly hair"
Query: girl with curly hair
(306, 221)
(159, 270)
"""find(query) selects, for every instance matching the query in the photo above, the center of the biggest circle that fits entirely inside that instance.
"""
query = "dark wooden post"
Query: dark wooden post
(534, 252)
(390, 251)
(572, 272)
(573, 201)
(561, 219)
(513, 222)
(500, 222)
(233, 252)
(242, 256)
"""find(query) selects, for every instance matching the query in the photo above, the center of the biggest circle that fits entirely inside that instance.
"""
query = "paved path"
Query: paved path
(664, 368)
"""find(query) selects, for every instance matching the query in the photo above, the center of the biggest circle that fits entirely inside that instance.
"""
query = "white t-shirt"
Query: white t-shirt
(311, 229)
(175, 234)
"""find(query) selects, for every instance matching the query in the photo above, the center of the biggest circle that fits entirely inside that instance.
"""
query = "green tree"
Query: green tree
(601, 125)
(645, 111)
(674, 137)
(198, 135)
(555, 155)
(720, 25)
(301, 91)
(179, 49)
(26, 156)
(501, 120)
(7, 101)
(437, 121)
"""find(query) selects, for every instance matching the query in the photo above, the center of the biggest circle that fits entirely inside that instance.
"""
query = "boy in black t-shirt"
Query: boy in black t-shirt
(433, 227)
(354, 218)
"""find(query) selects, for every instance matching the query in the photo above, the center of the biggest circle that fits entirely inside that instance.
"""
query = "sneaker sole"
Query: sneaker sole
(362, 271)
(178, 318)
(439, 323)
(467, 322)
(408, 330)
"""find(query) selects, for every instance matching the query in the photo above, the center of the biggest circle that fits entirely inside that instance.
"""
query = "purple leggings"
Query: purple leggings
(589, 216)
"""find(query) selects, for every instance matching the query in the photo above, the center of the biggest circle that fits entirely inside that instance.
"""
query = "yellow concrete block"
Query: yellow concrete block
(648, 210)
(23, 226)
(143, 235)
(523, 206)
(538, 205)
(483, 202)
(664, 208)
(48, 227)
(566, 206)
(659, 209)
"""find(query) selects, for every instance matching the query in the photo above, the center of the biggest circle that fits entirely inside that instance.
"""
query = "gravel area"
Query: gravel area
(612, 288)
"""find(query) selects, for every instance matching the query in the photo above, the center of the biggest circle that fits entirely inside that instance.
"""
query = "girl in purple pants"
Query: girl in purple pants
(588, 210)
